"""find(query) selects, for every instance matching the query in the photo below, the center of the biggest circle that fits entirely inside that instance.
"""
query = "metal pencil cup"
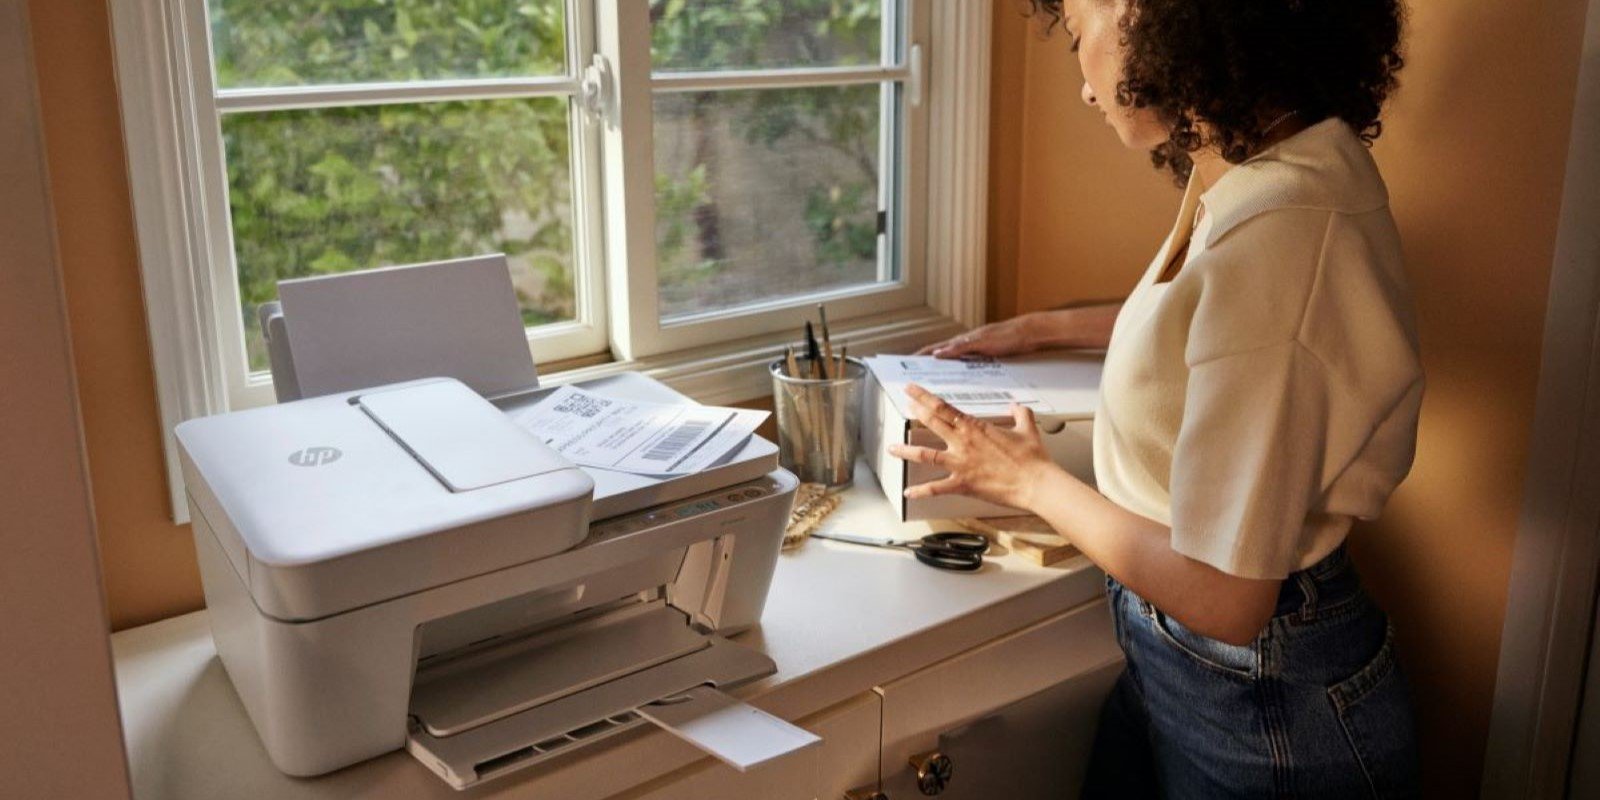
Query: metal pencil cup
(819, 422)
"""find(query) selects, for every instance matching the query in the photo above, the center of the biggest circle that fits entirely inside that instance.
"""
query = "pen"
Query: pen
(813, 353)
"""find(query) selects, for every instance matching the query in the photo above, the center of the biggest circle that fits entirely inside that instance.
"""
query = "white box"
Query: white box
(1068, 381)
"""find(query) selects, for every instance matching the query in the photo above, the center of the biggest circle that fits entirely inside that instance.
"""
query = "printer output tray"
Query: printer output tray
(508, 712)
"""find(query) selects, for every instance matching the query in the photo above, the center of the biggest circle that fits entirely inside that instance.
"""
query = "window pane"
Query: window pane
(298, 42)
(333, 190)
(765, 194)
(689, 35)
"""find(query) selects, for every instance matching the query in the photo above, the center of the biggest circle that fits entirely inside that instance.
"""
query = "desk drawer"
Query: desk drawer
(988, 705)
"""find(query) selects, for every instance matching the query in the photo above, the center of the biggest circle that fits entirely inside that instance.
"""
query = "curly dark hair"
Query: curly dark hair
(1239, 65)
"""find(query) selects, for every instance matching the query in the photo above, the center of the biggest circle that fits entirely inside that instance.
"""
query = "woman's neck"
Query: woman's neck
(1210, 166)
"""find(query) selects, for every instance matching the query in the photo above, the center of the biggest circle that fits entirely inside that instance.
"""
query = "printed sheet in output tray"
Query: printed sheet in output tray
(631, 436)
(980, 387)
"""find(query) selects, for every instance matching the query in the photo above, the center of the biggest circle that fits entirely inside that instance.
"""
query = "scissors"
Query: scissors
(953, 550)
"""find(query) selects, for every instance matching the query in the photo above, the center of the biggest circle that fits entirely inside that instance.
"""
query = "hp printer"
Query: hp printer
(390, 561)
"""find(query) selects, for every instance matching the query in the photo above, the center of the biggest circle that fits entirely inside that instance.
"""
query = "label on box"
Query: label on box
(981, 387)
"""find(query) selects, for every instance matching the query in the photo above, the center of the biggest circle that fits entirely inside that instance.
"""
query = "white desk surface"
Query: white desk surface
(840, 620)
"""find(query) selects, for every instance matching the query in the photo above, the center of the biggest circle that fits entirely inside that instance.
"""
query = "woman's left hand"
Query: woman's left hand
(984, 460)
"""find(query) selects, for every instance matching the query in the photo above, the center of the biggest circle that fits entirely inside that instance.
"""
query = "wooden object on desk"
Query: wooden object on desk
(1027, 536)
(812, 502)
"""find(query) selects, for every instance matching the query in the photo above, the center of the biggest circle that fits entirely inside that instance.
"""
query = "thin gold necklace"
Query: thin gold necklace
(1279, 121)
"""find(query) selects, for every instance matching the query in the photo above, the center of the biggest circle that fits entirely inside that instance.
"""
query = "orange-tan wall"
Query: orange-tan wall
(57, 692)
(148, 563)
(1473, 153)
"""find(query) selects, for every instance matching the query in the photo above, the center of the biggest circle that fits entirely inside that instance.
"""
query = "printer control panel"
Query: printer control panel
(688, 508)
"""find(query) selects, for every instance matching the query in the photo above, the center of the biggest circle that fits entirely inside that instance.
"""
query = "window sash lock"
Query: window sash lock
(597, 90)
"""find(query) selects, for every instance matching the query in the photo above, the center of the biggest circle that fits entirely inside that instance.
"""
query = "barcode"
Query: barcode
(975, 397)
(675, 441)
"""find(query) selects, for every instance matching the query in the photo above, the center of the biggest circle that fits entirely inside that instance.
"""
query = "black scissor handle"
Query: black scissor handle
(958, 541)
(947, 558)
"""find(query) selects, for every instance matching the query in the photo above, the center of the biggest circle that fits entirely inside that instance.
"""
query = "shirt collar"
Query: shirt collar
(1324, 167)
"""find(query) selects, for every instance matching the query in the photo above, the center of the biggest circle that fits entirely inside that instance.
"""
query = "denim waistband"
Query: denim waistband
(1329, 582)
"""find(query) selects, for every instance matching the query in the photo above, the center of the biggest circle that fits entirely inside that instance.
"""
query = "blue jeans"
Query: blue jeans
(1314, 707)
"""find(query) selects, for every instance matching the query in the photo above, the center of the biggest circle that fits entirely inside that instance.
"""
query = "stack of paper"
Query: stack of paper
(633, 436)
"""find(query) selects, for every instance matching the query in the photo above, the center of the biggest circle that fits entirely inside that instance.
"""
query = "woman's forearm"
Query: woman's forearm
(1087, 327)
(1138, 552)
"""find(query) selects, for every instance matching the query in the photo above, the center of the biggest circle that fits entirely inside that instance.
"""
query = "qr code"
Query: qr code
(579, 405)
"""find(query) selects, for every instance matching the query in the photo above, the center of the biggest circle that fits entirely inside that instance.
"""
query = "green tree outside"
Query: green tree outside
(317, 191)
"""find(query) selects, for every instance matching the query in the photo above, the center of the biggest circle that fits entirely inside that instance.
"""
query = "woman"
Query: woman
(1260, 392)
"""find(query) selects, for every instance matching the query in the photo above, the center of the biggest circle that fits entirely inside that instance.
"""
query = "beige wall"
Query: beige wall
(148, 563)
(56, 691)
(1474, 154)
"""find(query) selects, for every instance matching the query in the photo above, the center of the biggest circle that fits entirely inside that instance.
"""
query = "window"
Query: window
(782, 140)
(676, 183)
(355, 134)
(314, 190)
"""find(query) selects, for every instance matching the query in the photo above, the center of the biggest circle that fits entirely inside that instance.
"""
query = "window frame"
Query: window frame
(582, 336)
(178, 186)
(638, 330)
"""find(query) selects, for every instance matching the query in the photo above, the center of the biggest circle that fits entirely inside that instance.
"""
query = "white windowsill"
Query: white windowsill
(737, 371)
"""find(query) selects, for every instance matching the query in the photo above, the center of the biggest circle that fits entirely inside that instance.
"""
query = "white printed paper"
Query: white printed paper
(981, 387)
(725, 441)
(632, 436)
(742, 736)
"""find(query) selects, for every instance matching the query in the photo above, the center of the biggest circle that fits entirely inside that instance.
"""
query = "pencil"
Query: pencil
(838, 468)
(827, 345)
(800, 436)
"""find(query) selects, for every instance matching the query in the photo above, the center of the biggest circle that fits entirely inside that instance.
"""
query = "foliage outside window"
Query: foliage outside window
(761, 193)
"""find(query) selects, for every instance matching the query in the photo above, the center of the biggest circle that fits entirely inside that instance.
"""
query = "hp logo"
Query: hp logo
(315, 456)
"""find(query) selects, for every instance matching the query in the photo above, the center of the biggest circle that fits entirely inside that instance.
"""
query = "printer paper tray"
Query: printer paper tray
(473, 692)
(531, 736)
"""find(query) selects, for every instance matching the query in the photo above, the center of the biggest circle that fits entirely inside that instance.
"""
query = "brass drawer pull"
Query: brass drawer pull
(933, 772)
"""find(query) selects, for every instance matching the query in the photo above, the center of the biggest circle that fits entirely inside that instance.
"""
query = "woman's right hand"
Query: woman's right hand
(1008, 338)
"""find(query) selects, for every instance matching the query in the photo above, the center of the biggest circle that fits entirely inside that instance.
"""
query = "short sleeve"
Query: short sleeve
(1248, 463)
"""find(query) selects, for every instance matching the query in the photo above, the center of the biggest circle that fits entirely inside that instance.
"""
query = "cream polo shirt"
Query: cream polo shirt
(1268, 394)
